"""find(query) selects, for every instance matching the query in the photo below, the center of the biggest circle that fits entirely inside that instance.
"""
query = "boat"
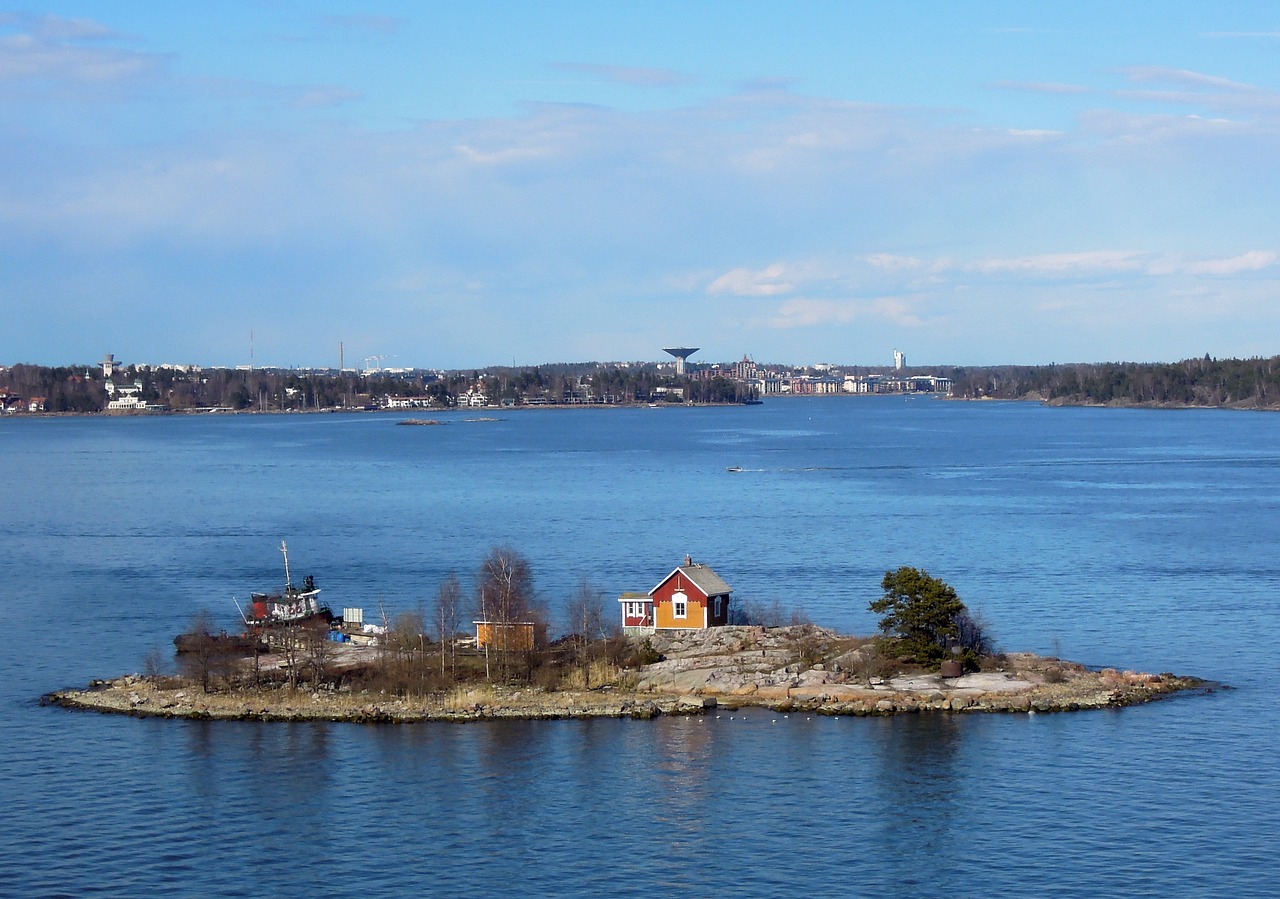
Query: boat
(734, 468)
(292, 605)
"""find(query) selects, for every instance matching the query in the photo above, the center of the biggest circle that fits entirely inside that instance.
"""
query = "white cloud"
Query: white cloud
(1062, 263)
(742, 282)
(894, 263)
(1190, 88)
(1252, 261)
(813, 313)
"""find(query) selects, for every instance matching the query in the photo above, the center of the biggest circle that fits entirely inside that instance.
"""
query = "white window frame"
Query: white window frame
(680, 605)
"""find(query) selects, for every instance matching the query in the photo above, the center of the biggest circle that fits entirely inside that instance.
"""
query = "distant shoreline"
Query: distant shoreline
(489, 410)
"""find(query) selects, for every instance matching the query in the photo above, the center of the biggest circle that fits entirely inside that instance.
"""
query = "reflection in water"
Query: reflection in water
(917, 778)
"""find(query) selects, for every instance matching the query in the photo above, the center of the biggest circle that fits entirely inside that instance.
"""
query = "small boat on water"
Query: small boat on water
(734, 468)
(292, 605)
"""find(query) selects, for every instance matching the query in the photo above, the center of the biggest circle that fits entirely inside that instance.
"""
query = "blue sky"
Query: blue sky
(466, 184)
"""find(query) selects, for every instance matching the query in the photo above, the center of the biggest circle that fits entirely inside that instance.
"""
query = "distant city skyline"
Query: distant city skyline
(442, 185)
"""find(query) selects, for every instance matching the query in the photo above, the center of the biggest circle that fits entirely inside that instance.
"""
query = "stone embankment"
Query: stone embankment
(790, 668)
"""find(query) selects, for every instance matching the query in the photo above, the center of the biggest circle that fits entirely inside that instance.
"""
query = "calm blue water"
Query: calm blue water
(1133, 538)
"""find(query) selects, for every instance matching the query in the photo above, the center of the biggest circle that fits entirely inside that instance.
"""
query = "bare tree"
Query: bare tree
(153, 664)
(505, 597)
(448, 611)
(407, 640)
(318, 648)
(585, 610)
(289, 637)
(200, 649)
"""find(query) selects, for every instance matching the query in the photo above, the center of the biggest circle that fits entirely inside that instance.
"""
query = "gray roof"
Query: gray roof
(702, 577)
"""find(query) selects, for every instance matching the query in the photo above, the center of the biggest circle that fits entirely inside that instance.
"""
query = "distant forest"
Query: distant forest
(82, 388)
(1233, 383)
(1236, 383)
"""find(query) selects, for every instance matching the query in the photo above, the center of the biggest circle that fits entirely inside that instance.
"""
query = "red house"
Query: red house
(690, 597)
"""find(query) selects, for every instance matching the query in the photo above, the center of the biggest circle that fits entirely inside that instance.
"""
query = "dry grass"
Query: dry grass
(600, 672)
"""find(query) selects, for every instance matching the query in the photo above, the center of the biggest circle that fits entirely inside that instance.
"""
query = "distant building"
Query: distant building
(474, 397)
(681, 353)
(128, 398)
(690, 597)
(899, 360)
(10, 402)
(407, 402)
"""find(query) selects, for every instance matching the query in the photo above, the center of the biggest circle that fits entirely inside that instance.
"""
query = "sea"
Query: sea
(1139, 539)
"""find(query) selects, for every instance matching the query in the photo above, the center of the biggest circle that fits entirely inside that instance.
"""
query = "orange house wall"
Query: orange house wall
(519, 636)
(663, 613)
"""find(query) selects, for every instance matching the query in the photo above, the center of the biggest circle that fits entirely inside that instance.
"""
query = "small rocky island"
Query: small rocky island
(793, 668)
(298, 662)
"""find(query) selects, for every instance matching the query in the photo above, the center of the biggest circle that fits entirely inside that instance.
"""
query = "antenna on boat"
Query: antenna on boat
(285, 550)
(240, 610)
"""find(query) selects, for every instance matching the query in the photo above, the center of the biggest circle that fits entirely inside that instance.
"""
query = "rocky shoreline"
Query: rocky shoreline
(800, 668)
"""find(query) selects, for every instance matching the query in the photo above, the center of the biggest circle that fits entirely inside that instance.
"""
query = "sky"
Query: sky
(455, 185)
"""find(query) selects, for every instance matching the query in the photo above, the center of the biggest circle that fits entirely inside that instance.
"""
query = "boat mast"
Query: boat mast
(288, 584)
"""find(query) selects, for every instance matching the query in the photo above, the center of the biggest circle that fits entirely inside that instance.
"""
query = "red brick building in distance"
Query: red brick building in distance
(690, 597)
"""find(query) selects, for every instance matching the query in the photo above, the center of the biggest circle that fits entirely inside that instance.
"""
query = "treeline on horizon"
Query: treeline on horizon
(1238, 383)
(82, 388)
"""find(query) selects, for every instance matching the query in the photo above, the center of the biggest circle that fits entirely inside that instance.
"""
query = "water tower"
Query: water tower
(681, 353)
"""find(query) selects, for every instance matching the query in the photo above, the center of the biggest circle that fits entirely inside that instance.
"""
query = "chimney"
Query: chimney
(687, 561)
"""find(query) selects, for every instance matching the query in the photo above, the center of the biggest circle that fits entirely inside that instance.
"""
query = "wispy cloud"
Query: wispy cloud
(58, 28)
(58, 49)
(1252, 261)
(1185, 76)
(811, 313)
(1062, 263)
(894, 262)
(636, 76)
(387, 25)
(324, 97)
(741, 282)
(1190, 88)
(1042, 87)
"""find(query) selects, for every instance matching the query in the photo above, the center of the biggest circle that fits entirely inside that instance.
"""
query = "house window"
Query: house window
(719, 599)
(679, 605)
